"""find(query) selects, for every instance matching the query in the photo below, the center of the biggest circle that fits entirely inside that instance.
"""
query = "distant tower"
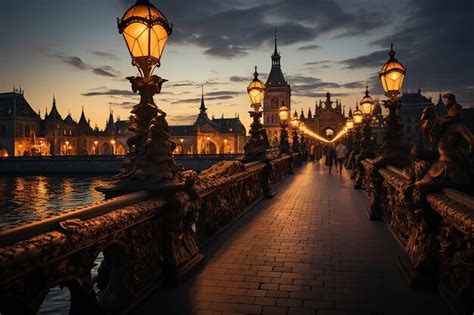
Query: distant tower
(277, 91)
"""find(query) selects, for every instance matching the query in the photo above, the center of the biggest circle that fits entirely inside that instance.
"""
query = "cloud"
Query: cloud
(73, 61)
(125, 104)
(109, 92)
(197, 100)
(312, 87)
(309, 47)
(221, 93)
(182, 119)
(102, 72)
(78, 63)
(374, 59)
(435, 47)
(230, 29)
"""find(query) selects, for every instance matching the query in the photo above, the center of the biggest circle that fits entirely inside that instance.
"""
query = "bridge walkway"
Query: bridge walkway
(309, 250)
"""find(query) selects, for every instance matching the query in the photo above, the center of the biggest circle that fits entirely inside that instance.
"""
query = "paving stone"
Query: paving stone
(309, 250)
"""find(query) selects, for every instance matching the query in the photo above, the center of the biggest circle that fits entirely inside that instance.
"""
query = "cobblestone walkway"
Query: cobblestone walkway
(310, 250)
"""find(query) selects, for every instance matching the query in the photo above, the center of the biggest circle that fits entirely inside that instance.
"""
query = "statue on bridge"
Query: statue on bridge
(454, 167)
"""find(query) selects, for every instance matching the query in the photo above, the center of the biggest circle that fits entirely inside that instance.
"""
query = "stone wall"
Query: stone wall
(144, 239)
(436, 231)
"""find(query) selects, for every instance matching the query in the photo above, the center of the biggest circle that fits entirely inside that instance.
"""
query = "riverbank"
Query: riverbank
(100, 164)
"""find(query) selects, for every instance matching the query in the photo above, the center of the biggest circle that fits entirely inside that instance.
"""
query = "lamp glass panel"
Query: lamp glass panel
(256, 95)
(357, 117)
(159, 37)
(136, 37)
(366, 108)
(283, 113)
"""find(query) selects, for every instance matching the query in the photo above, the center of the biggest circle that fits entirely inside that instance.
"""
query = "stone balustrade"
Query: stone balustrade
(144, 239)
(436, 231)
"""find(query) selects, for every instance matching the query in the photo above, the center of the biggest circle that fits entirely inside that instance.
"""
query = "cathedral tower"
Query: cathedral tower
(277, 91)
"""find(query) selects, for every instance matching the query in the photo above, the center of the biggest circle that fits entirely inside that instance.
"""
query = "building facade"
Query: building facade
(209, 135)
(411, 106)
(277, 92)
(24, 133)
(327, 119)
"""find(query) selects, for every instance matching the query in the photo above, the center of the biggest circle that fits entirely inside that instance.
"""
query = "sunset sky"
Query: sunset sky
(72, 49)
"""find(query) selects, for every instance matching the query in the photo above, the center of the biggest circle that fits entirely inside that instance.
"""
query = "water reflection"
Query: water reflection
(32, 197)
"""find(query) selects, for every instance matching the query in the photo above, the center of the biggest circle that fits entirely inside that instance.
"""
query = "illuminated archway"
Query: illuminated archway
(4, 152)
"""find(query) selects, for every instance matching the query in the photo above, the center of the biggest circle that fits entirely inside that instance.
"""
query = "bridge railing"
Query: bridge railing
(436, 231)
(143, 238)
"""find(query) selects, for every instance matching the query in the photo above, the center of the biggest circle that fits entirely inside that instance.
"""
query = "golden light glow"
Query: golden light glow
(350, 124)
(367, 103)
(112, 141)
(295, 122)
(283, 113)
(96, 142)
(256, 90)
(146, 31)
(392, 75)
(357, 116)
(181, 140)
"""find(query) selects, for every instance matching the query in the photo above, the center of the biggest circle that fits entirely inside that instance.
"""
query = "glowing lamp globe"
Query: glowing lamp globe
(366, 103)
(256, 89)
(350, 124)
(357, 116)
(391, 75)
(146, 31)
(283, 113)
(295, 122)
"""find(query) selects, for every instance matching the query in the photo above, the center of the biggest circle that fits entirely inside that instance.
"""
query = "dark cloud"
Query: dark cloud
(237, 78)
(124, 104)
(110, 92)
(197, 100)
(232, 29)
(181, 119)
(102, 72)
(313, 87)
(221, 93)
(78, 63)
(73, 61)
(374, 59)
(435, 43)
(309, 47)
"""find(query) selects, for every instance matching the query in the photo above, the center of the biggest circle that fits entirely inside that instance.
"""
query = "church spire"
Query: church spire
(276, 56)
(202, 108)
(276, 44)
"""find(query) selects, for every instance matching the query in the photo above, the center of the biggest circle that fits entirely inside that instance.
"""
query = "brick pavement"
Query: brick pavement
(309, 250)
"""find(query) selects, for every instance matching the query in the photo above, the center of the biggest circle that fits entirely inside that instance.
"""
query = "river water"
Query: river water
(28, 198)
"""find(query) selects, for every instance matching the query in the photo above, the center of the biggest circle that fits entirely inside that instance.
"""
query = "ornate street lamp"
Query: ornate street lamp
(149, 164)
(295, 123)
(350, 124)
(146, 31)
(367, 103)
(257, 146)
(284, 144)
(358, 116)
(366, 145)
(391, 76)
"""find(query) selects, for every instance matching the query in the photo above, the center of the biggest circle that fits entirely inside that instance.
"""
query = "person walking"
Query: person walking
(341, 151)
(330, 157)
(312, 152)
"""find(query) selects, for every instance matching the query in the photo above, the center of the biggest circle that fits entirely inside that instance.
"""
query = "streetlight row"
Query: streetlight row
(146, 31)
